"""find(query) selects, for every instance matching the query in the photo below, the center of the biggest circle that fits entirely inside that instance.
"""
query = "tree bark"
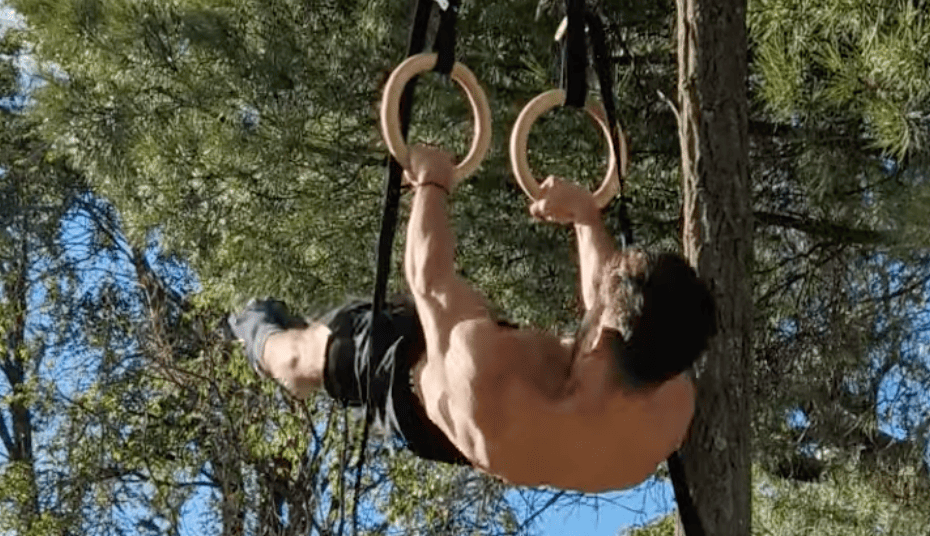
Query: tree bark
(717, 239)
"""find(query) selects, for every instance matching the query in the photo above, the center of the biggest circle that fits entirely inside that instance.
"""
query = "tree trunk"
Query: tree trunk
(717, 238)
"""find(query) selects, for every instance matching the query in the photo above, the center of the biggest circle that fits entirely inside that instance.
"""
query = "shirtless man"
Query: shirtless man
(596, 412)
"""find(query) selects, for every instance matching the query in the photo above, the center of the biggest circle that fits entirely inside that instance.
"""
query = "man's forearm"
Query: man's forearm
(595, 248)
(430, 253)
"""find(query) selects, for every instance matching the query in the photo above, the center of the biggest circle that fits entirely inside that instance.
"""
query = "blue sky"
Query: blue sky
(608, 513)
(8, 17)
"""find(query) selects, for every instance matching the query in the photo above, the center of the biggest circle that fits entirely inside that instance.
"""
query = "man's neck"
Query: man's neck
(591, 383)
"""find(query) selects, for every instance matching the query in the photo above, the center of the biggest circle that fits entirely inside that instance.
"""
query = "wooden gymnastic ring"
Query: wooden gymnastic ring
(390, 112)
(521, 131)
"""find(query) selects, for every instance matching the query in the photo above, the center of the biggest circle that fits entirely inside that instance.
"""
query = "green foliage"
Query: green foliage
(664, 526)
(841, 199)
(843, 503)
(836, 60)
(236, 129)
(207, 109)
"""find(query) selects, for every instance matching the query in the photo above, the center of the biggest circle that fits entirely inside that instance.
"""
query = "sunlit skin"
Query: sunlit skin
(524, 405)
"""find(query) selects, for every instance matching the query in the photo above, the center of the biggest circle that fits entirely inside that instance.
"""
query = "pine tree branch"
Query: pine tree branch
(775, 129)
(826, 229)
(820, 135)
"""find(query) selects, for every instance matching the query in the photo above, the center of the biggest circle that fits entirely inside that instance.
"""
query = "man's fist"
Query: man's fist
(430, 164)
(564, 202)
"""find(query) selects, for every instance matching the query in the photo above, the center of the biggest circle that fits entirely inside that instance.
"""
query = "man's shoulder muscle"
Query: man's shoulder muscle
(480, 336)
(481, 347)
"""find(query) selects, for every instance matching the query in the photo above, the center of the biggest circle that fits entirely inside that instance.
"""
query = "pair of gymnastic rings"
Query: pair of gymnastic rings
(420, 63)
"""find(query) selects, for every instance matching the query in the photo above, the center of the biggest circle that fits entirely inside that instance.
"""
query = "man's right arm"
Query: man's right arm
(595, 248)
(565, 202)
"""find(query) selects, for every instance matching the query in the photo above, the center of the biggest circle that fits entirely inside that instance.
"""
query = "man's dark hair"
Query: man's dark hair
(665, 315)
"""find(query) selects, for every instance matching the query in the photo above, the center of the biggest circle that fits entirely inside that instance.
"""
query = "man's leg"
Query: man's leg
(285, 347)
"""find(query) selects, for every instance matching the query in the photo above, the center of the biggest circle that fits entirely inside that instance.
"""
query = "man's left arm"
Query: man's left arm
(443, 298)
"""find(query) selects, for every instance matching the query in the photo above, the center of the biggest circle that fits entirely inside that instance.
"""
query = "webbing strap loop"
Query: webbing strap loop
(575, 55)
(605, 78)
(444, 45)
(579, 23)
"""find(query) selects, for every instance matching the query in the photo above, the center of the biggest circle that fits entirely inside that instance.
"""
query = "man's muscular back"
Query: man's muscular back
(514, 403)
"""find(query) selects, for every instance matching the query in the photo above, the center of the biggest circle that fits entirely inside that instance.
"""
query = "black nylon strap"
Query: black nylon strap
(444, 45)
(602, 67)
(575, 55)
(690, 520)
(392, 181)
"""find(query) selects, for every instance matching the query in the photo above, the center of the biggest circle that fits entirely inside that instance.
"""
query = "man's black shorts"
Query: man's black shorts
(355, 377)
